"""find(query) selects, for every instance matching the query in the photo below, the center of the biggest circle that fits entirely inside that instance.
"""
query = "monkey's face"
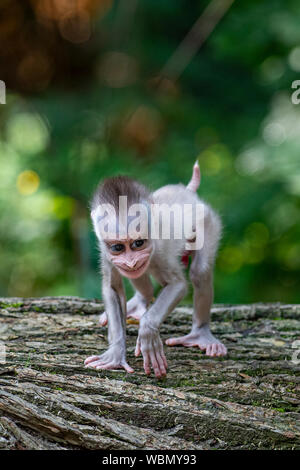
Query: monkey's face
(131, 257)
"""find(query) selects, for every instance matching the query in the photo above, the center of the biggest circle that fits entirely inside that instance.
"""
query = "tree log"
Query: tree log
(48, 400)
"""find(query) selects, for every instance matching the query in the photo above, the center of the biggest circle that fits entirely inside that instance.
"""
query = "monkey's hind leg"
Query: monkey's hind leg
(136, 307)
(138, 304)
(200, 335)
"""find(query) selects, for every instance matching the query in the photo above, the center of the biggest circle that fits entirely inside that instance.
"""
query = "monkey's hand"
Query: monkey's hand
(151, 346)
(113, 358)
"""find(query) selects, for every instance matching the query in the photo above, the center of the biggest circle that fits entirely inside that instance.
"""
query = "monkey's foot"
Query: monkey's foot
(103, 319)
(201, 338)
(135, 313)
(108, 362)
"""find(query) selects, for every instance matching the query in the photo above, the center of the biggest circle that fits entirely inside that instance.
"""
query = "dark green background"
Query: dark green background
(83, 107)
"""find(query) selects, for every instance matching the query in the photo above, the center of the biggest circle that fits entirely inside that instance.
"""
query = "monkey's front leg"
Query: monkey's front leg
(114, 300)
(149, 341)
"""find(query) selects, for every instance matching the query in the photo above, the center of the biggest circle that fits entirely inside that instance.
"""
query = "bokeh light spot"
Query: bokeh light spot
(254, 254)
(211, 162)
(118, 69)
(294, 59)
(231, 258)
(142, 128)
(214, 159)
(27, 133)
(272, 69)
(292, 257)
(250, 161)
(62, 207)
(76, 27)
(293, 185)
(257, 233)
(28, 182)
(35, 70)
(274, 134)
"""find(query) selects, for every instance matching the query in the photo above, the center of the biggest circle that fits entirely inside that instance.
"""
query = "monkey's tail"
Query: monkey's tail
(196, 177)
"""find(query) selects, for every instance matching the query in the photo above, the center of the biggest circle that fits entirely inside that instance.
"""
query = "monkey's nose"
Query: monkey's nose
(131, 264)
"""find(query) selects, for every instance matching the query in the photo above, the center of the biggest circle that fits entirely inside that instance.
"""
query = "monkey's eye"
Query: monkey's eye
(117, 247)
(137, 243)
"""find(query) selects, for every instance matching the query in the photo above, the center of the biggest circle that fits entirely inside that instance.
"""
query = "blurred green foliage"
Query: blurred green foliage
(97, 112)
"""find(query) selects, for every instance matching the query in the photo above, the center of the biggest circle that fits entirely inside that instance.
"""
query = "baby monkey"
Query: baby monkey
(122, 212)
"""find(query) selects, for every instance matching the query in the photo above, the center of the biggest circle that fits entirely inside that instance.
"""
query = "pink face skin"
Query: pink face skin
(131, 257)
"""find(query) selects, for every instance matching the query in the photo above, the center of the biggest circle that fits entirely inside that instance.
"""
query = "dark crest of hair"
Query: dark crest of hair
(109, 191)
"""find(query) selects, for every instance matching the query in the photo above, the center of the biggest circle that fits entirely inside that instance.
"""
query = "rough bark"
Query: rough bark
(48, 400)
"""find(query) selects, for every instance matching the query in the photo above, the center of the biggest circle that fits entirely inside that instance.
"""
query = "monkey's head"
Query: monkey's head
(121, 215)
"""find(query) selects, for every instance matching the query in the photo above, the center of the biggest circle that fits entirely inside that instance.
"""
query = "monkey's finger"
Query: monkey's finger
(127, 367)
(137, 351)
(100, 362)
(211, 350)
(155, 365)
(162, 353)
(147, 364)
(161, 364)
(175, 341)
(113, 365)
(90, 359)
(109, 366)
(222, 351)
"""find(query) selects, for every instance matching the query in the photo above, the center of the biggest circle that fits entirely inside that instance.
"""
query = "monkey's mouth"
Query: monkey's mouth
(134, 271)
